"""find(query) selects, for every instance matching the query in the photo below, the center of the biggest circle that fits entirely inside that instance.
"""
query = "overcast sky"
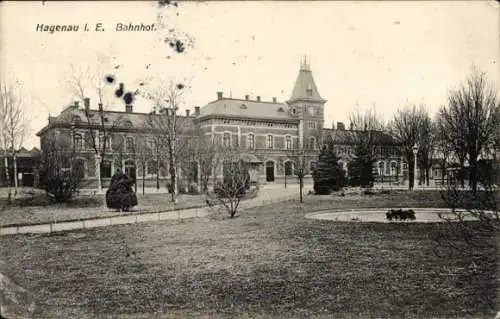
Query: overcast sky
(360, 52)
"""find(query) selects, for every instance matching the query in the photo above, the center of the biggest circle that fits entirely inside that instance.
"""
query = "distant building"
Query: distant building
(27, 162)
(271, 134)
(277, 132)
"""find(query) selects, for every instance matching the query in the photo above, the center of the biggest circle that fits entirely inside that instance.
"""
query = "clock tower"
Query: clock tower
(307, 105)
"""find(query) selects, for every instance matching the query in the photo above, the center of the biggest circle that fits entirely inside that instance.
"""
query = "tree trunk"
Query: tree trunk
(301, 181)
(473, 176)
(173, 179)
(7, 177)
(99, 179)
(16, 183)
(143, 178)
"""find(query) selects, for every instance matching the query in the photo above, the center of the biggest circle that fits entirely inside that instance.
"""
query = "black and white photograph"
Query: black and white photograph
(249, 159)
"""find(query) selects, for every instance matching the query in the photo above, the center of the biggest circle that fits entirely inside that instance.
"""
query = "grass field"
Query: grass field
(90, 207)
(269, 262)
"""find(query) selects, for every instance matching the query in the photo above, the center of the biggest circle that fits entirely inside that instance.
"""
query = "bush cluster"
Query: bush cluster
(400, 214)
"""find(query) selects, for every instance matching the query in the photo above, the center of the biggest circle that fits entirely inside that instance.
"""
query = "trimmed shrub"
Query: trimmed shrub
(328, 174)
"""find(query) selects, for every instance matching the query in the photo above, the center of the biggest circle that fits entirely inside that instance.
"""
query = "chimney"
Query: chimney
(129, 108)
(247, 97)
(76, 104)
(187, 113)
(258, 98)
(340, 126)
(100, 106)
(274, 99)
(219, 95)
(86, 103)
(196, 110)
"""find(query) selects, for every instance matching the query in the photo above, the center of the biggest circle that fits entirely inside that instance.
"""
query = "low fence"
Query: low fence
(103, 221)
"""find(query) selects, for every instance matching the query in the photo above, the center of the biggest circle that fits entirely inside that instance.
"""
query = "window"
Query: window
(129, 144)
(76, 119)
(288, 142)
(381, 168)
(152, 144)
(312, 142)
(152, 167)
(106, 142)
(251, 140)
(79, 168)
(312, 166)
(227, 139)
(127, 123)
(270, 141)
(311, 124)
(309, 90)
(394, 168)
(288, 168)
(78, 142)
(106, 169)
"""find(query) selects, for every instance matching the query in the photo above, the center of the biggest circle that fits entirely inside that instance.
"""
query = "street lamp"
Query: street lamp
(415, 151)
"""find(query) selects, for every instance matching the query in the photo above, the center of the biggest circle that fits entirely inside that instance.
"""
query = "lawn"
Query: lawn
(89, 206)
(268, 262)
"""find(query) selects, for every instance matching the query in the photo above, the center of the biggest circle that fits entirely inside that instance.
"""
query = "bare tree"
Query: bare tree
(472, 118)
(235, 182)
(442, 148)
(61, 173)
(13, 124)
(165, 121)
(366, 131)
(365, 134)
(300, 170)
(411, 125)
(97, 123)
(425, 143)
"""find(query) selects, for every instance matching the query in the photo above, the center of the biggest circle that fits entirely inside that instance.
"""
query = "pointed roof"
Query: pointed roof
(305, 87)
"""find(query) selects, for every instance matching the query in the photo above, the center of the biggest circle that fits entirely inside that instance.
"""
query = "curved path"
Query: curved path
(267, 194)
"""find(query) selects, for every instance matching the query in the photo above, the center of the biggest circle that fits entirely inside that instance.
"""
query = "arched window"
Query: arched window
(127, 123)
(288, 168)
(312, 166)
(251, 140)
(226, 139)
(381, 168)
(270, 141)
(394, 168)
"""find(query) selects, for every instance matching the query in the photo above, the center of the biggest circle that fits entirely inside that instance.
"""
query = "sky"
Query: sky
(362, 54)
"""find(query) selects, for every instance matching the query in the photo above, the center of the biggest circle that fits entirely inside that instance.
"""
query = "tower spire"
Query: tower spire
(304, 65)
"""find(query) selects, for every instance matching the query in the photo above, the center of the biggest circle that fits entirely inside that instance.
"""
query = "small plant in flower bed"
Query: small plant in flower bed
(400, 214)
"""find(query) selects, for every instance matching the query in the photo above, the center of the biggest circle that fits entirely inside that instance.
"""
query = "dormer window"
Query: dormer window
(76, 119)
(243, 106)
(280, 109)
(309, 90)
(127, 123)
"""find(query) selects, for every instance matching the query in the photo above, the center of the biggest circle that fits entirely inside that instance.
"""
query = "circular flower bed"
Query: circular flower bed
(391, 215)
